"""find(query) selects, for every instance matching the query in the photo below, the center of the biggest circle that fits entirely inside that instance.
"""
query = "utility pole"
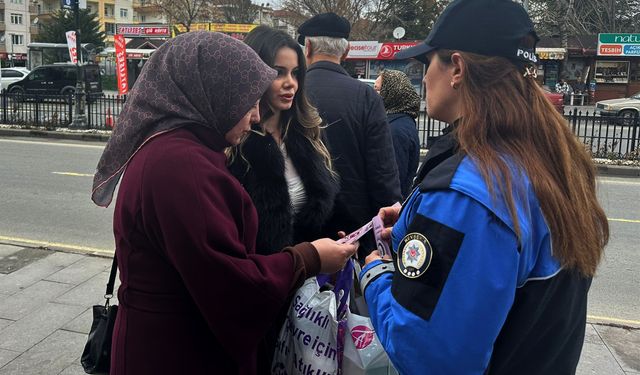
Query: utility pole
(79, 117)
(565, 35)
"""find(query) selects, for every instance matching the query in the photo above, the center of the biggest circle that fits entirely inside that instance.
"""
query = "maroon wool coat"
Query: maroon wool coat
(194, 297)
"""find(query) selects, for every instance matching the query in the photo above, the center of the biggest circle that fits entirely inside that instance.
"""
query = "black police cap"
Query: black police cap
(325, 24)
(485, 27)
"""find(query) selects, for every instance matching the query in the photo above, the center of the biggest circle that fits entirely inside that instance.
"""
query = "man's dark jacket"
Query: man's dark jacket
(359, 140)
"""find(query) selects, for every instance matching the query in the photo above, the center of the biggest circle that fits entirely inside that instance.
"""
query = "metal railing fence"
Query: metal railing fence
(608, 137)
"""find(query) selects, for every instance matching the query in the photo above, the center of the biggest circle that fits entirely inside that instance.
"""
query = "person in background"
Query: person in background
(495, 250)
(402, 104)
(357, 132)
(284, 166)
(564, 88)
(194, 298)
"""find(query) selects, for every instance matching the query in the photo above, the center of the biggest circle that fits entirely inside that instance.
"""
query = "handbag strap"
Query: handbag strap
(112, 279)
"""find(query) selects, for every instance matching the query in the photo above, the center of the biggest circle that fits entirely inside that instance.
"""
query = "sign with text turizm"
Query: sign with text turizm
(618, 44)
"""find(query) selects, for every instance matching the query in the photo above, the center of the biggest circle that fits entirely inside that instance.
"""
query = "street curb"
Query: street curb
(618, 170)
(61, 249)
(92, 137)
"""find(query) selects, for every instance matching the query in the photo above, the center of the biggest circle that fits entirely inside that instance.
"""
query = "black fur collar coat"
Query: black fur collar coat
(264, 180)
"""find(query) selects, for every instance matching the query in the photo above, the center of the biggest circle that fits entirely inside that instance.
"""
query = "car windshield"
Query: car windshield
(636, 95)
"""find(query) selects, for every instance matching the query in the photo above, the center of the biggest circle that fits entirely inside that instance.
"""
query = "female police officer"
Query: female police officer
(495, 249)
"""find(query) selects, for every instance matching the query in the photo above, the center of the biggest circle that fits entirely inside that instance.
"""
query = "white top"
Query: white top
(297, 194)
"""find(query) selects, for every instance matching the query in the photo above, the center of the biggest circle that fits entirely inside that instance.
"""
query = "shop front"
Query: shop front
(13, 59)
(617, 66)
(549, 65)
(367, 59)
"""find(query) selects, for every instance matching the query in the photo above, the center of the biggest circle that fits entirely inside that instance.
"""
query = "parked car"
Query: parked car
(626, 110)
(556, 98)
(11, 75)
(58, 79)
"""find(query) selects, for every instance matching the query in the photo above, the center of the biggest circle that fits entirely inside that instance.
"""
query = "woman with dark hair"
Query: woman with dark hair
(495, 250)
(283, 164)
(402, 103)
(195, 298)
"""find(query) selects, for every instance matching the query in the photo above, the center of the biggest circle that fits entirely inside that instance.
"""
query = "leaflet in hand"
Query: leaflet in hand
(354, 236)
(378, 228)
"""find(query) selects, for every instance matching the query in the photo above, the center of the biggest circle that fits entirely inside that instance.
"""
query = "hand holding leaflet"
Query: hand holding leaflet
(354, 236)
(382, 245)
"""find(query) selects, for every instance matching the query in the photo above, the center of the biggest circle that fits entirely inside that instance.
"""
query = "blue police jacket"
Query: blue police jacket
(466, 297)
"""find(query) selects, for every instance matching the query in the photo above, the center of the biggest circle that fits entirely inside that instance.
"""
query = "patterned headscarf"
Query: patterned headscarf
(202, 78)
(398, 94)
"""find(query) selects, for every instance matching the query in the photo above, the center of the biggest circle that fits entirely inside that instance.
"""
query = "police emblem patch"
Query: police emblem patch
(415, 255)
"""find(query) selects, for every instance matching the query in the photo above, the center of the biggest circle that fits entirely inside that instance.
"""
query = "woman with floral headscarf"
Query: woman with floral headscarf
(195, 298)
(402, 103)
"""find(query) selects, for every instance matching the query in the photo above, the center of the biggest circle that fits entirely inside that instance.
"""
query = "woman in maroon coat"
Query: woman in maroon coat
(195, 298)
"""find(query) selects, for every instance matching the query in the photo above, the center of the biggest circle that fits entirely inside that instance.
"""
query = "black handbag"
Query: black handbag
(96, 356)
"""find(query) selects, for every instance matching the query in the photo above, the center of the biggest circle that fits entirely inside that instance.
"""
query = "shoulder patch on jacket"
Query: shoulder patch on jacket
(441, 175)
(419, 292)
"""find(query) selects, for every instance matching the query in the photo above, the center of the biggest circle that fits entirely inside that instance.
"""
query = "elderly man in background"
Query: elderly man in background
(357, 132)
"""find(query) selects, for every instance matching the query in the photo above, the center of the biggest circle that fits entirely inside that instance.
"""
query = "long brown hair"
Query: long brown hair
(267, 41)
(507, 114)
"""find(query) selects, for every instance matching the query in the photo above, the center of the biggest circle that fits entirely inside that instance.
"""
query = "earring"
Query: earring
(454, 86)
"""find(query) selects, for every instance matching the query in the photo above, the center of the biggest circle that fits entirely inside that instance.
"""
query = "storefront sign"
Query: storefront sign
(236, 30)
(121, 63)
(232, 27)
(618, 44)
(363, 50)
(143, 31)
(550, 53)
(15, 56)
(372, 50)
(71, 43)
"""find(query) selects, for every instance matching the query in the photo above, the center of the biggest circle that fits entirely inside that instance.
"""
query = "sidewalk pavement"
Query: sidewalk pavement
(45, 315)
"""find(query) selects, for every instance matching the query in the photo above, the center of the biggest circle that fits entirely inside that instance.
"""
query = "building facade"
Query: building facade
(15, 31)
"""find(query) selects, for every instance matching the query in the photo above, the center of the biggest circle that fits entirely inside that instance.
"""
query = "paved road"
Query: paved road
(615, 293)
(45, 189)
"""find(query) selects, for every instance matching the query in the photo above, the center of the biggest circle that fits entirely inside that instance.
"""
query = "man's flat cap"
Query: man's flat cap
(325, 24)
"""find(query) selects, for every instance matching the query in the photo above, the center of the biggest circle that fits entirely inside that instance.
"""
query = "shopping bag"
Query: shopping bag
(363, 352)
(309, 342)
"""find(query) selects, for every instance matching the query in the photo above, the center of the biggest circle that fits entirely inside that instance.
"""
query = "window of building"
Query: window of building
(143, 18)
(109, 28)
(612, 71)
(16, 18)
(108, 11)
(123, 12)
(634, 73)
(17, 1)
(17, 39)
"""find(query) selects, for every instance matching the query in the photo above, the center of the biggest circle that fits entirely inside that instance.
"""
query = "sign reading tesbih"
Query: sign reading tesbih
(618, 44)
